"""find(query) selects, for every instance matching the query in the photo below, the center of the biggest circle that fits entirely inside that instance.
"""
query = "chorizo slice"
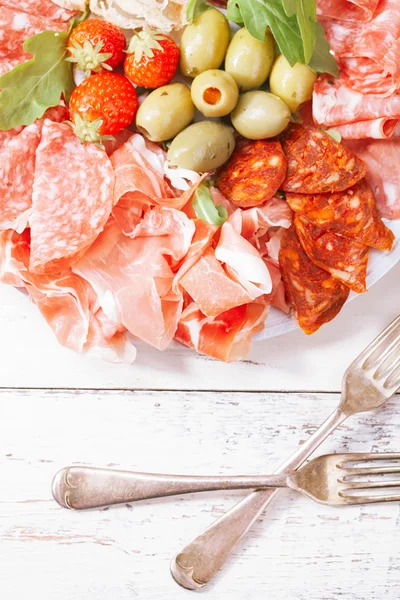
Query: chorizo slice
(317, 163)
(254, 172)
(351, 213)
(316, 296)
(345, 259)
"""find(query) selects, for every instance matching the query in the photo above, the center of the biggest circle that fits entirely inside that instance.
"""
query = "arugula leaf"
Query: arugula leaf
(306, 14)
(335, 134)
(194, 8)
(205, 208)
(260, 14)
(29, 89)
(233, 12)
(322, 61)
(290, 7)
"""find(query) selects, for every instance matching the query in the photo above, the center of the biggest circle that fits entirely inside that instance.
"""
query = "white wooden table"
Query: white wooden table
(181, 413)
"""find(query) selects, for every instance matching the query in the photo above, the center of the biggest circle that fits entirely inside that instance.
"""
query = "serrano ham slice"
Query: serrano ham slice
(344, 258)
(317, 163)
(72, 197)
(316, 296)
(351, 214)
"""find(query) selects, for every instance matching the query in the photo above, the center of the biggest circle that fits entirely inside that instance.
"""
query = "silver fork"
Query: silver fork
(368, 383)
(328, 479)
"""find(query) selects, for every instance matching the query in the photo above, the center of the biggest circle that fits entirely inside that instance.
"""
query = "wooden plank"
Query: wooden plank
(31, 357)
(299, 550)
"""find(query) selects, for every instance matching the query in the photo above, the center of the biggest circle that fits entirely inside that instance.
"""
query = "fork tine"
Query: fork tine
(393, 381)
(385, 361)
(365, 457)
(367, 485)
(376, 343)
(355, 472)
(368, 499)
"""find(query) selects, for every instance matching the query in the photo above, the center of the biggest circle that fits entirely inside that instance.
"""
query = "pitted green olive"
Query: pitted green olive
(248, 60)
(294, 85)
(260, 115)
(165, 112)
(202, 147)
(204, 43)
(215, 93)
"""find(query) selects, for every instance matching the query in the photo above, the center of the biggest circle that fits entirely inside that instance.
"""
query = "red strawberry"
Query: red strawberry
(152, 59)
(101, 106)
(95, 45)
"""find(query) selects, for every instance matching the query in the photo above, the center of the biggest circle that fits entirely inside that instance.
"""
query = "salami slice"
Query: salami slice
(15, 27)
(17, 166)
(39, 8)
(377, 129)
(72, 197)
(316, 296)
(317, 163)
(345, 259)
(348, 10)
(254, 172)
(351, 214)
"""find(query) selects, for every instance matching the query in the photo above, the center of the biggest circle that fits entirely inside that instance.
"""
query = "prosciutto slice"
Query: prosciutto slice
(67, 302)
(226, 337)
(132, 277)
(139, 182)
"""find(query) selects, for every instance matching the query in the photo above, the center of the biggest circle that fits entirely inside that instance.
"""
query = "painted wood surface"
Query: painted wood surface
(299, 550)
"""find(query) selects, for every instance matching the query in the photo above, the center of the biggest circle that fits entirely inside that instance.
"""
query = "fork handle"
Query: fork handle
(204, 556)
(89, 487)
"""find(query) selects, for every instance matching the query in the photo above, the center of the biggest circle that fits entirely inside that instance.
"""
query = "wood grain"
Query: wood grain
(31, 357)
(298, 551)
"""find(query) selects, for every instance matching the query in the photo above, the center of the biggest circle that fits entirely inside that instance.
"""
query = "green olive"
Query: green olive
(294, 85)
(204, 43)
(165, 112)
(215, 93)
(202, 147)
(260, 115)
(248, 60)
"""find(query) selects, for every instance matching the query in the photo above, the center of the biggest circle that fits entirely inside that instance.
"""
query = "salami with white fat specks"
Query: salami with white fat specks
(73, 194)
(39, 8)
(15, 28)
(345, 259)
(316, 296)
(17, 166)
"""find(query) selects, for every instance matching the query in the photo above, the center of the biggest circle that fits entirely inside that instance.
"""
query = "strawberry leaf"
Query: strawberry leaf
(28, 90)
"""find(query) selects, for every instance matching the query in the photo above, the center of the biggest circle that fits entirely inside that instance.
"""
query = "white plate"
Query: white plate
(380, 263)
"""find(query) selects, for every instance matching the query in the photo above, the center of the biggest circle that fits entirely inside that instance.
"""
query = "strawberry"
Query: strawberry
(96, 45)
(101, 106)
(152, 59)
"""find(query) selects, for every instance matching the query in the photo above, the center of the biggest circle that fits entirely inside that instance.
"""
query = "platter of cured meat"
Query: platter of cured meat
(155, 188)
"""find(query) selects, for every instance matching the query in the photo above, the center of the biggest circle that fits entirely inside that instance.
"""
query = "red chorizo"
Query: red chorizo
(351, 213)
(316, 297)
(317, 163)
(254, 172)
(345, 259)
